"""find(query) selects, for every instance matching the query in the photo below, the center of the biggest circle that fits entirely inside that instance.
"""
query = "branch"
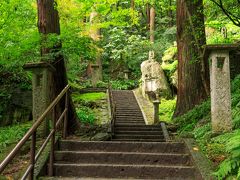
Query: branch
(231, 16)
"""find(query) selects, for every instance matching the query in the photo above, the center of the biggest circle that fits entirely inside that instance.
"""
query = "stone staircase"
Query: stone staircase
(125, 160)
(137, 151)
(129, 123)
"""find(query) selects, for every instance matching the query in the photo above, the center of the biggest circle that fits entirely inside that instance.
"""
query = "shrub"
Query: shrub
(86, 115)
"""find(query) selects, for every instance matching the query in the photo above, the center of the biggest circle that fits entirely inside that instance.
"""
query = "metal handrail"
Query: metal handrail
(32, 133)
(113, 108)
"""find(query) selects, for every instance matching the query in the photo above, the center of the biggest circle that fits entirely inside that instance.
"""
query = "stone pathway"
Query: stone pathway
(146, 107)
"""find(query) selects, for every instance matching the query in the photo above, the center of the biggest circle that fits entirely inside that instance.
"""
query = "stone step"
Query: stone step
(127, 132)
(130, 120)
(134, 136)
(124, 171)
(122, 158)
(129, 123)
(134, 128)
(138, 140)
(129, 116)
(140, 126)
(121, 114)
(106, 146)
(132, 117)
(123, 107)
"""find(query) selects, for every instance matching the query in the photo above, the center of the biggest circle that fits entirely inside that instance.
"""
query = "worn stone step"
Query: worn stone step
(138, 140)
(132, 117)
(134, 136)
(134, 128)
(141, 126)
(124, 171)
(91, 178)
(130, 120)
(129, 123)
(121, 114)
(133, 158)
(126, 132)
(126, 108)
(106, 146)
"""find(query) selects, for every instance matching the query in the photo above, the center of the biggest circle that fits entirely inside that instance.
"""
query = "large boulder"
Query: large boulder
(153, 78)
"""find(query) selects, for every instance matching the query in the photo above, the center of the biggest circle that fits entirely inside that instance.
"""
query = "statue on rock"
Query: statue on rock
(153, 78)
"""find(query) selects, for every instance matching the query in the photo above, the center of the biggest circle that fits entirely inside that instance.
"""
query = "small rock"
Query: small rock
(100, 137)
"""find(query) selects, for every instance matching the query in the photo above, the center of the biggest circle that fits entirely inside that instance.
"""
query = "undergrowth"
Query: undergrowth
(89, 96)
(86, 115)
(166, 109)
(12, 134)
(222, 149)
(85, 104)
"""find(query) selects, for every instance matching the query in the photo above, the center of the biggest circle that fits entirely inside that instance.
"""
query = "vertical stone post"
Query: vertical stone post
(126, 74)
(41, 91)
(156, 111)
(95, 75)
(220, 86)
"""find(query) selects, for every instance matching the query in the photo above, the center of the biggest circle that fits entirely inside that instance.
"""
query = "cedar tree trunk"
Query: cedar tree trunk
(193, 72)
(48, 23)
(152, 24)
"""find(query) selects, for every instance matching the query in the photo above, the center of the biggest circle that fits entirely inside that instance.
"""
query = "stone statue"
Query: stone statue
(151, 56)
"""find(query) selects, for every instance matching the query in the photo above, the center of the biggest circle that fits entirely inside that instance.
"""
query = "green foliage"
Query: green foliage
(89, 96)
(188, 121)
(120, 47)
(166, 109)
(223, 149)
(11, 134)
(124, 84)
(231, 166)
(236, 101)
(85, 103)
(86, 115)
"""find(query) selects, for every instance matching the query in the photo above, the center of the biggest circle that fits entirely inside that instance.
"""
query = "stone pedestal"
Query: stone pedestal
(41, 91)
(220, 86)
(156, 111)
(96, 74)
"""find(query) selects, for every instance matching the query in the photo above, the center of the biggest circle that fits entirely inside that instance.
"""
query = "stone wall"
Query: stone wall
(19, 108)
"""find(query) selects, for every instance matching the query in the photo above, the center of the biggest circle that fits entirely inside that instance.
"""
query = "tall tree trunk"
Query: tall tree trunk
(133, 4)
(95, 34)
(170, 14)
(148, 15)
(48, 23)
(152, 24)
(193, 74)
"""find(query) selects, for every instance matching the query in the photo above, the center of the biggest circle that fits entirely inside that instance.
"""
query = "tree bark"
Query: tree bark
(170, 13)
(193, 72)
(95, 34)
(48, 23)
(148, 15)
(133, 4)
(152, 24)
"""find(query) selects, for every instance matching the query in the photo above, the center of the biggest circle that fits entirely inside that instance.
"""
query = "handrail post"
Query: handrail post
(51, 159)
(32, 158)
(65, 117)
